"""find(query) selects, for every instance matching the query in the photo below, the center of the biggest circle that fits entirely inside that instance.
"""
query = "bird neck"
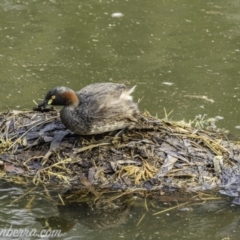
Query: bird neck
(71, 99)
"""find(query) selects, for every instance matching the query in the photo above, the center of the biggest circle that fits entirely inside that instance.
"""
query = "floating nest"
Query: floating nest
(155, 154)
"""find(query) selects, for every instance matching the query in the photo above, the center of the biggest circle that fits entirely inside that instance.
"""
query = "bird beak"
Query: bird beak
(43, 104)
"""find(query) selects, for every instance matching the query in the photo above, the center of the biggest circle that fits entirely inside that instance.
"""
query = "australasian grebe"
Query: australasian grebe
(97, 108)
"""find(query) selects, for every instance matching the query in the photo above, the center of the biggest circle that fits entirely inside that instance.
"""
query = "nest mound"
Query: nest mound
(153, 155)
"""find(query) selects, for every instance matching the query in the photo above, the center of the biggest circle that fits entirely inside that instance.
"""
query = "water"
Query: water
(215, 218)
(176, 52)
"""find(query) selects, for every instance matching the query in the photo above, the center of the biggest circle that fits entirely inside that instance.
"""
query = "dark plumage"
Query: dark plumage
(97, 108)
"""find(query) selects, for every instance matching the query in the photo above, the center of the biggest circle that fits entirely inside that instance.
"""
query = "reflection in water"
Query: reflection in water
(118, 214)
(56, 223)
(107, 211)
(109, 214)
(9, 5)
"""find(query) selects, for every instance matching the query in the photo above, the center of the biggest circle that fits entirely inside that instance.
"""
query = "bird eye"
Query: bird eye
(53, 97)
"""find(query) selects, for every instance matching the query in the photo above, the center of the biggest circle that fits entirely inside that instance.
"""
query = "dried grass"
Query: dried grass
(157, 152)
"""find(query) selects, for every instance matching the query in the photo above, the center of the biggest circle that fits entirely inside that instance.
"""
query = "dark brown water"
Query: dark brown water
(183, 55)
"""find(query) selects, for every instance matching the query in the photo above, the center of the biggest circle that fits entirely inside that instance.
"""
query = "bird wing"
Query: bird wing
(102, 90)
(104, 100)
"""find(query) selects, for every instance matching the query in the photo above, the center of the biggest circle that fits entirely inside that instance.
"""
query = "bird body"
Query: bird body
(95, 109)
